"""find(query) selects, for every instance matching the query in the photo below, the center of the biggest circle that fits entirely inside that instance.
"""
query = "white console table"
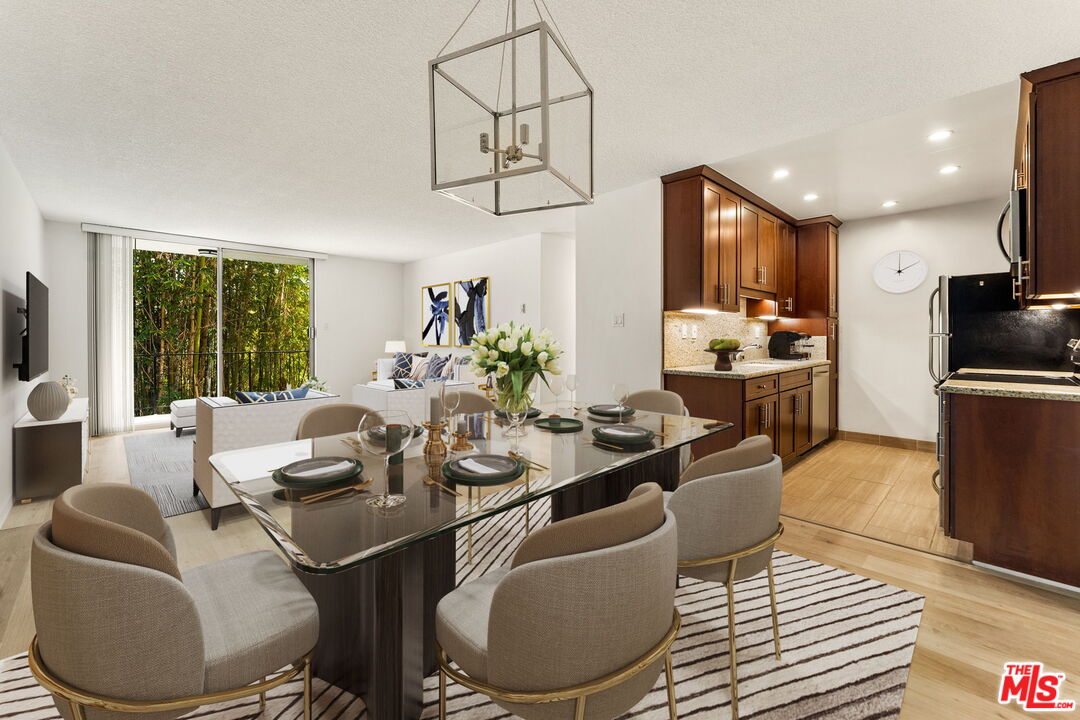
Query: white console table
(51, 455)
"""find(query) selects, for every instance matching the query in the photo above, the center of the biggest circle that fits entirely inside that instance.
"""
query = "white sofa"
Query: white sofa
(222, 424)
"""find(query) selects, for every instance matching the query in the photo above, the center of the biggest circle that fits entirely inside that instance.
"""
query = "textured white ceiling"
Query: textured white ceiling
(304, 124)
(855, 169)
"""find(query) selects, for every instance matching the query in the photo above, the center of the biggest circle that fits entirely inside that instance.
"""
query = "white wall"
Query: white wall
(558, 293)
(66, 257)
(885, 388)
(355, 315)
(512, 266)
(21, 248)
(618, 249)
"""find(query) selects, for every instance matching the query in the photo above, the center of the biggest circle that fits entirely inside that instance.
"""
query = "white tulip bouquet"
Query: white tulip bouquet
(515, 355)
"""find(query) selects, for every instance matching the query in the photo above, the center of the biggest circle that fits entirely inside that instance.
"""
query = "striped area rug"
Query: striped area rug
(847, 644)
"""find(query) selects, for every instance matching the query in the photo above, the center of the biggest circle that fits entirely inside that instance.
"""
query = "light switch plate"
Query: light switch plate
(618, 320)
(693, 332)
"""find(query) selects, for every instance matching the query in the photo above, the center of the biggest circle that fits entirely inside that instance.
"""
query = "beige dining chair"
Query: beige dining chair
(473, 402)
(121, 632)
(728, 509)
(330, 420)
(664, 402)
(581, 623)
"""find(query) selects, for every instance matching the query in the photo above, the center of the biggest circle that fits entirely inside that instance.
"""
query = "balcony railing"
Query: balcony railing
(164, 377)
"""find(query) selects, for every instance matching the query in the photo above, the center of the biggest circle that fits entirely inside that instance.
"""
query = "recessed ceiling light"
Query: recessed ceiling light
(939, 135)
(949, 169)
(780, 174)
(889, 203)
(809, 196)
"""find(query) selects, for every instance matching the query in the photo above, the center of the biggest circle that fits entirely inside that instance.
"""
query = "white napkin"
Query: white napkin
(475, 467)
(325, 470)
(618, 431)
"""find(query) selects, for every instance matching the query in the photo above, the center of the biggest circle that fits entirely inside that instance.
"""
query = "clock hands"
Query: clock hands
(909, 266)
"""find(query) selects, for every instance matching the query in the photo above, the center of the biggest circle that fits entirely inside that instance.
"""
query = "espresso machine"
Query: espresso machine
(782, 345)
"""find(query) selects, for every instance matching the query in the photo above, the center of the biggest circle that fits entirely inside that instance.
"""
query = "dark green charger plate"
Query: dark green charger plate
(530, 414)
(559, 424)
(609, 411)
(281, 477)
(513, 470)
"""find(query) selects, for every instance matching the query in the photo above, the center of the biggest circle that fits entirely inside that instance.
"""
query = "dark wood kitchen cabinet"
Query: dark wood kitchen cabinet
(793, 428)
(1047, 167)
(817, 267)
(757, 251)
(1010, 482)
(785, 271)
(700, 246)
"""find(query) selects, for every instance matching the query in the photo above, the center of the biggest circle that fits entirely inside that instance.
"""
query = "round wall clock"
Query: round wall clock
(900, 271)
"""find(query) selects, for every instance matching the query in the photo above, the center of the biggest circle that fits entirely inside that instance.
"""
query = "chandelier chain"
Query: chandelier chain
(555, 25)
(451, 39)
(502, 61)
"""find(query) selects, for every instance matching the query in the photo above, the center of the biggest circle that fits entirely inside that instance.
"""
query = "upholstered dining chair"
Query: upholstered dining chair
(664, 402)
(728, 509)
(581, 622)
(330, 420)
(121, 631)
(473, 402)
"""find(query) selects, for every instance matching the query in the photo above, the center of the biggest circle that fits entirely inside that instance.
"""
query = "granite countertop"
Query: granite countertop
(1013, 389)
(744, 369)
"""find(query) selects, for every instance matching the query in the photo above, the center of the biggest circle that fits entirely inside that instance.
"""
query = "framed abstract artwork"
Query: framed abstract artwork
(472, 309)
(435, 324)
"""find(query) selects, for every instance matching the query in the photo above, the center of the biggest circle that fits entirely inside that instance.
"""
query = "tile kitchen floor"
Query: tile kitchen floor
(878, 491)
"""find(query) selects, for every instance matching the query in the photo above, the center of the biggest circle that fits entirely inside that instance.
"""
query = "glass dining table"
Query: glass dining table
(377, 574)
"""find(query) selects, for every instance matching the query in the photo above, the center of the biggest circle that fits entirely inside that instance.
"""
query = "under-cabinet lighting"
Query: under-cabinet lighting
(700, 311)
(939, 135)
(1058, 306)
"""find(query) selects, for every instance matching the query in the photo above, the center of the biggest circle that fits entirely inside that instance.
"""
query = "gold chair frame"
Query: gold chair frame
(578, 693)
(79, 699)
(733, 560)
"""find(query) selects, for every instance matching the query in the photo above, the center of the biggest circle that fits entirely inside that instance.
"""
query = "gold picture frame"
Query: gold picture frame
(466, 321)
(430, 306)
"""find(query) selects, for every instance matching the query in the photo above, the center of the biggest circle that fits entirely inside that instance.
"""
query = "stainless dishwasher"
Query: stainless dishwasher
(819, 406)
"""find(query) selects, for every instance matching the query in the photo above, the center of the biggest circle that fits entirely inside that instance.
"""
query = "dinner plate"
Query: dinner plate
(559, 424)
(317, 472)
(623, 434)
(611, 410)
(483, 469)
(379, 431)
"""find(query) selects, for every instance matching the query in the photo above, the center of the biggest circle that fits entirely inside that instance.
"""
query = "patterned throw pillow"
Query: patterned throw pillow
(436, 366)
(403, 363)
(419, 366)
(247, 396)
(407, 384)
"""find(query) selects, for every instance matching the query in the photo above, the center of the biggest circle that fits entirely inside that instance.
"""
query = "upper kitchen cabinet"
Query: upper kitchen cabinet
(785, 271)
(1048, 169)
(757, 252)
(816, 271)
(700, 246)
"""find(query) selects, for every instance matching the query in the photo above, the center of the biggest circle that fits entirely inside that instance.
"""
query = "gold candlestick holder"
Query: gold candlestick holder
(461, 441)
(435, 446)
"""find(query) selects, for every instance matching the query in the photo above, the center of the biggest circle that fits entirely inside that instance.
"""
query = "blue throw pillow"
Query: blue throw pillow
(248, 396)
(407, 384)
(402, 365)
(437, 365)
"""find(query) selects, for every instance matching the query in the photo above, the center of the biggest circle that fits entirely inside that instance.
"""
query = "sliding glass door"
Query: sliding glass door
(189, 302)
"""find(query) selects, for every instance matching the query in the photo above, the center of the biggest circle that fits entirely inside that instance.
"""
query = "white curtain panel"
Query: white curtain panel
(114, 406)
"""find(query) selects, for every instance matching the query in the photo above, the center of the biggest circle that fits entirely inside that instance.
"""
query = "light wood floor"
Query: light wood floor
(973, 622)
(874, 490)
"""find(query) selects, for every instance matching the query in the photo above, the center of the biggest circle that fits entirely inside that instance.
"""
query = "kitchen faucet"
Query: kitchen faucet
(740, 354)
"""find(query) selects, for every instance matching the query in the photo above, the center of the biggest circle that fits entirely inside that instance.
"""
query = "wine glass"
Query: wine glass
(451, 402)
(555, 383)
(571, 385)
(620, 392)
(385, 433)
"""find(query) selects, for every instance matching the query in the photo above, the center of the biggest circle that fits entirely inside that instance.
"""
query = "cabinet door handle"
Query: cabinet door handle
(764, 274)
(789, 304)
(761, 417)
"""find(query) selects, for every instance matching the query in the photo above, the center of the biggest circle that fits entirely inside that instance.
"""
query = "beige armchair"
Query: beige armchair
(664, 402)
(472, 402)
(728, 509)
(579, 625)
(121, 631)
(330, 420)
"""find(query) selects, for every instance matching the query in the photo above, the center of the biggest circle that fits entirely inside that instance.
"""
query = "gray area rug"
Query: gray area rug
(847, 645)
(160, 463)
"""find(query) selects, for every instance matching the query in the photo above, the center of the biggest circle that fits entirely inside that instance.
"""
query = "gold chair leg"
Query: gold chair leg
(469, 542)
(442, 694)
(732, 659)
(76, 710)
(262, 702)
(579, 708)
(775, 618)
(307, 689)
(527, 522)
(670, 686)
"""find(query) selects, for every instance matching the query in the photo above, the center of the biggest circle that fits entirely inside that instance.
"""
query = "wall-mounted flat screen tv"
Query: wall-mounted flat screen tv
(35, 338)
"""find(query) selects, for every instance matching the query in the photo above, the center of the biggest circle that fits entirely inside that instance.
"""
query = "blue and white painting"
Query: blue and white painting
(472, 305)
(435, 315)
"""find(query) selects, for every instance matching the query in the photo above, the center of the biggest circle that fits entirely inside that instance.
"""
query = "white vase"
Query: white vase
(48, 400)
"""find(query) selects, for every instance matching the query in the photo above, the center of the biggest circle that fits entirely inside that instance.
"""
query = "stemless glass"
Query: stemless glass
(571, 385)
(386, 433)
(620, 392)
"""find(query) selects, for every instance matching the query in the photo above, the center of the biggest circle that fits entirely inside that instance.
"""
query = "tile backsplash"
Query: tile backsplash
(682, 352)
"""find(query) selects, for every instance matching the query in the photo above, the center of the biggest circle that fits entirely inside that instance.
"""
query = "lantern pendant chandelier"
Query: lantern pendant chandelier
(489, 101)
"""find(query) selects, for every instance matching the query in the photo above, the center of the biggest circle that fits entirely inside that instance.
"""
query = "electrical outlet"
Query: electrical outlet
(618, 320)
(693, 332)
(685, 331)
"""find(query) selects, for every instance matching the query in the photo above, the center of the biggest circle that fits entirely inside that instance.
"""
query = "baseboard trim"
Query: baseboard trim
(888, 440)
